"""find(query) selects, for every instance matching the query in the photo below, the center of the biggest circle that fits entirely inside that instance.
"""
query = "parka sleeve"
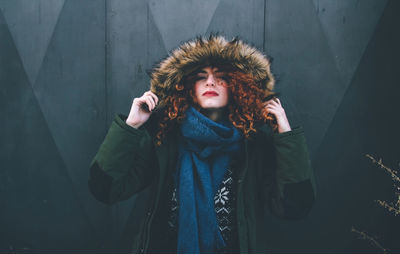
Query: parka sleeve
(295, 189)
(124, 163)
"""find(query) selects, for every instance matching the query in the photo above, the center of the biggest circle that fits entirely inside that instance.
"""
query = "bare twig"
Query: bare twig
(394, 208)
(392, 172)
(365, 236)
(391, 207)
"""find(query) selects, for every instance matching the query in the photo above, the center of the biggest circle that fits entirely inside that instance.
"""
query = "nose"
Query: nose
(211, 81)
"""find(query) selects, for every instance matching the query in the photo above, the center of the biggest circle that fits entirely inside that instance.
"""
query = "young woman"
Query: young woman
(212, 147)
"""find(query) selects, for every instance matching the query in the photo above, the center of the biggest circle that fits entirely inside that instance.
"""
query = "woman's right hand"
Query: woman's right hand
(138, 115)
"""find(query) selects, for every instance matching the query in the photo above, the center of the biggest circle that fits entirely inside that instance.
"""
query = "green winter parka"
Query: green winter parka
(275, 174)
(274, 171)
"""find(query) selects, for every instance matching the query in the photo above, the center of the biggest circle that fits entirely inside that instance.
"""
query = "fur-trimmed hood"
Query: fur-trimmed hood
(202, 51)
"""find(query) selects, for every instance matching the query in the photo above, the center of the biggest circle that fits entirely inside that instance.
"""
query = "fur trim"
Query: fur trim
(201, 52)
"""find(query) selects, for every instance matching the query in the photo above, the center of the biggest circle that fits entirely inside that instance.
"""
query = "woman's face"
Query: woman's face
(211, 89)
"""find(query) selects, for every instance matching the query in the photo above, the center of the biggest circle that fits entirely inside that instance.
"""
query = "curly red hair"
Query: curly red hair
(245, 103)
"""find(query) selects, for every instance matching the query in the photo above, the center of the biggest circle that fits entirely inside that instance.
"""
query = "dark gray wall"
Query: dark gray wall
(68, 66)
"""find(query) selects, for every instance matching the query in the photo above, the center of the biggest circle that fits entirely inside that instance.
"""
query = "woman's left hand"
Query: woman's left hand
(274, 107)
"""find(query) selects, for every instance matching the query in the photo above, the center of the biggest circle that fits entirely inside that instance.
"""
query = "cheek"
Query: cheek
(226, 94)
(197, 91)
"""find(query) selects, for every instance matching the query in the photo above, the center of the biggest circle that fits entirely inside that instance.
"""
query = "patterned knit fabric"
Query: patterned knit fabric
(224, 200)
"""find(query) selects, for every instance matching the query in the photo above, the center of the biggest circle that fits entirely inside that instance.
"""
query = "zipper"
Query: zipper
(147, 227)
(143, 238)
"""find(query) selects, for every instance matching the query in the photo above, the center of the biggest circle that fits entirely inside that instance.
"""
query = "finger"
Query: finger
(273, 111)
(267, 103)
(153, 104)
(154, 97)
(270, 107)
(149, 103)
(277, 110)
(150, 93)
(140, 100)
(274, 107)
(272, 101)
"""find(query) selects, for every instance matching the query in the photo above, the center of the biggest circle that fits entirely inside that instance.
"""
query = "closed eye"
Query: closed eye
(223, 77)
(199, 78)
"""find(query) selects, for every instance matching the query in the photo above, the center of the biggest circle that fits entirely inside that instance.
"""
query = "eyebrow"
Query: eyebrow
(202, 71)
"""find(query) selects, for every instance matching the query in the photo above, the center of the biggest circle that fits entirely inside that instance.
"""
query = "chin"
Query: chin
(213, 106)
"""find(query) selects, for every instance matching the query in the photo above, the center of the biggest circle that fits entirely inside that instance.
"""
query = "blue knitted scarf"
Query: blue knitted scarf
(205, 151)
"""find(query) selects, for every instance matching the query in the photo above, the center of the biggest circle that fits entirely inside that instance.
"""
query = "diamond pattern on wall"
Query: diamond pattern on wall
(348, 26)
(70, 91)
(40, 204)
(307, 75)
(180, 20)
(243, 19)
(135, 44)
(31, 24)
(68, 66)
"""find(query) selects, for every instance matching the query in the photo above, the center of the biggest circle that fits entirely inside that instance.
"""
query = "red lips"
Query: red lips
(210, 93)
